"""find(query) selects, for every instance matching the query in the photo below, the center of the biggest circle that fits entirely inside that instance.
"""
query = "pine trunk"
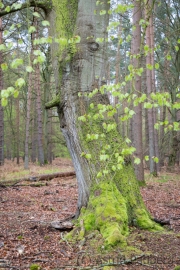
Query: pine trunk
(149, 83)
(137, 118)
(1, 108)
(37, 88)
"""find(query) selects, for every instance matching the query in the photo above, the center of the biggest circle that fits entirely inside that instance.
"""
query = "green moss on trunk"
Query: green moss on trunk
(107, 213)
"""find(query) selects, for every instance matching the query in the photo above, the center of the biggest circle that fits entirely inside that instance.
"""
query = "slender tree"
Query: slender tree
(137, 118)
(1, 108)
(37, 88)
(27, 136)
(149, 83)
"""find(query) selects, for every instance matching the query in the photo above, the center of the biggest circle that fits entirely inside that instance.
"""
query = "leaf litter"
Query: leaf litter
(27, 237)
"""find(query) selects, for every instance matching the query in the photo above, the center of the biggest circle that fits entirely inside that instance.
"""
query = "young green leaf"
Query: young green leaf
(37, 52)
(20, 82)
(8, 9)
(29, 69)
(88, 156)
(156, 159)
(4, 102)
(149, 66)
(146, 48)
(17, 62)
(16, 6)
(36, 14)
(99, 174)
(2, 47)
(137, 161)
(45, 23)
(4, 66)
(102, 12)
(156, 66)
(177, 48)
(77, 39)
(168, 57)
(82, 118)
(16, 93)
(4, 93)
(31, 29)
(114, 168)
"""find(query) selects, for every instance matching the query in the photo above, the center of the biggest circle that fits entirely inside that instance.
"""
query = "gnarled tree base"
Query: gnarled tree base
(111, 211)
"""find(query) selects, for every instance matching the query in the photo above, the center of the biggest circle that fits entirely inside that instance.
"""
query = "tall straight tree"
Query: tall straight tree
(1, 108)
(37, 88)
(156, 137)
(149, 82)
(136, 84)
(28, 108)
(17, 123)
(28, 118)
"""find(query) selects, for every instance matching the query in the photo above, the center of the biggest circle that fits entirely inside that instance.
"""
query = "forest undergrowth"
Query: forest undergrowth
(28, 240)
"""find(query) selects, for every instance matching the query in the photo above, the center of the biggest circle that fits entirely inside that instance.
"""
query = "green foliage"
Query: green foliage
(45, 23)
(16, 63)
(36, 14)
(31, 29)
(29, 69)
(34, 267)
(20, 237)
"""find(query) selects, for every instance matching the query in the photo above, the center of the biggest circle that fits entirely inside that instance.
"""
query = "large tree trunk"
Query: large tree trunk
(108, 192)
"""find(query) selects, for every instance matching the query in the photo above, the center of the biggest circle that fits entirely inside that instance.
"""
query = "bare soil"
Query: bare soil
(27, 237)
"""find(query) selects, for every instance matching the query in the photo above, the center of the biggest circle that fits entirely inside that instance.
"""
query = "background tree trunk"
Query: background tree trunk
(37, 88)
(29, 94)
(156, 137)
(1, 108)
(137, 118)
(150, 112)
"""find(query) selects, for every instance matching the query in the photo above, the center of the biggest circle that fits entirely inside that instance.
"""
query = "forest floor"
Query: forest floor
(27, 237)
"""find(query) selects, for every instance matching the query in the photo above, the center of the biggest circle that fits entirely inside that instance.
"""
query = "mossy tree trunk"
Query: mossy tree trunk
(109, 197)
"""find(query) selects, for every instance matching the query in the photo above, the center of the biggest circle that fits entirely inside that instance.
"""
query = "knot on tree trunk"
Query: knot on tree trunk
(93, 46)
